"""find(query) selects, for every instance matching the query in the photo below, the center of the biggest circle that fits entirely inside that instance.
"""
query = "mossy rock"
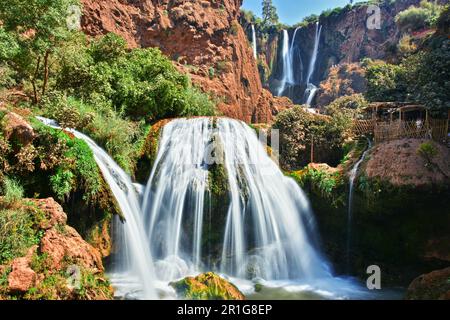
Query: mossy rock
(207, 286)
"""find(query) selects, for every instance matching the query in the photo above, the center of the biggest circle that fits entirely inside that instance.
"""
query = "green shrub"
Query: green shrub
(298, 128)
(347, 106)
(16, 233)
(141, 83)
(417, 18)
(428, 151)
(385, 82)
(62, 183)
(12, 191)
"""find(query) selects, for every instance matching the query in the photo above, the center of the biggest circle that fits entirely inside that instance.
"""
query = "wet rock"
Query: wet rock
(207, 286)
(431, 286)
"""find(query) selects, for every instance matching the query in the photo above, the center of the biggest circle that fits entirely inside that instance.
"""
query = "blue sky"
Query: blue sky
(293, 11)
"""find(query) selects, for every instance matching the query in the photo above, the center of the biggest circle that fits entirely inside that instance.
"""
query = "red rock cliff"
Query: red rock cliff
(204, 38)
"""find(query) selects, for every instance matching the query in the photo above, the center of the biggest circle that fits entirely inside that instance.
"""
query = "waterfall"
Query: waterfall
(255, 51)
(134, 258)
(287, 65)
(178, 184)
(312, 62)
(268, 225)
(352, 177)
(288, 61)
(311, 88)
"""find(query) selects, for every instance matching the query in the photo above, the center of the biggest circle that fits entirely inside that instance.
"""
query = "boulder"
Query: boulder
(207, 286)
(53, 211)
(22, 277)
(67, 244)
(431, 286)
(17, 129)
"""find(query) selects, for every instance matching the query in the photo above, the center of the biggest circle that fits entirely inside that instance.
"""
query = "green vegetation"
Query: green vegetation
(427, 151)
(300, 129)
(39, 26)
(418, 18)
(269, 13)
(208, 286)
(17, 232)
(385, 82)
(12, 191)
(324, 183)
(347, 108)
(420, 77)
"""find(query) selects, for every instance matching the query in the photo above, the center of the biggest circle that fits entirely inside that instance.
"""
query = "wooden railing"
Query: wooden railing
(436, 129)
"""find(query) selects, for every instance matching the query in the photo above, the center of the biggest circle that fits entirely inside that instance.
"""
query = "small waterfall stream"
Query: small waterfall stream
(255, 50)
(352, 177)
(288, 61)
(311, 89)
(134, 259)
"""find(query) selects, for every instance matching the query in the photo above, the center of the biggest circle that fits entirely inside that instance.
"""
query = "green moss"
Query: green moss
(208, 286)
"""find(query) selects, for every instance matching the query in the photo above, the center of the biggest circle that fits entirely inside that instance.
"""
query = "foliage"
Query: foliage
(348, 107)
(16, 233)
(40, 26)
(385, 82)
(406, 46)
(427, 75)
(417, 18)
(427, 151)
(269, 13)
(298, 128)
(12, 191)
(142, 83)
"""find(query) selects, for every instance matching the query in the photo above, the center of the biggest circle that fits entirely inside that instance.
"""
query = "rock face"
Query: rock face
(47, 266)
(345, 38)
(207, 286)
(431, 286)
(399, 163)
(204, 38)
(343, 80)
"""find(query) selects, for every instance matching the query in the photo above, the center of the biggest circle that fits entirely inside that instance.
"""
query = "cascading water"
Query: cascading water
(352, 177)
(267, 231)
(288, 61)
(268, 225)
(277, 211)
(255, 50)
(311, 88)
(287, 67)
(134, 258)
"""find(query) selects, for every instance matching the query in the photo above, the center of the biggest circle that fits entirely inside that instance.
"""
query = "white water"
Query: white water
(135, 260)
(311, 89)
(352, 177)
(255, 50)
(263, 203)
(312, 62)
(288, 61)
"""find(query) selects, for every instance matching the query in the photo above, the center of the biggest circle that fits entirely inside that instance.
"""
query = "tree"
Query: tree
(40, 25)
(269, 13)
